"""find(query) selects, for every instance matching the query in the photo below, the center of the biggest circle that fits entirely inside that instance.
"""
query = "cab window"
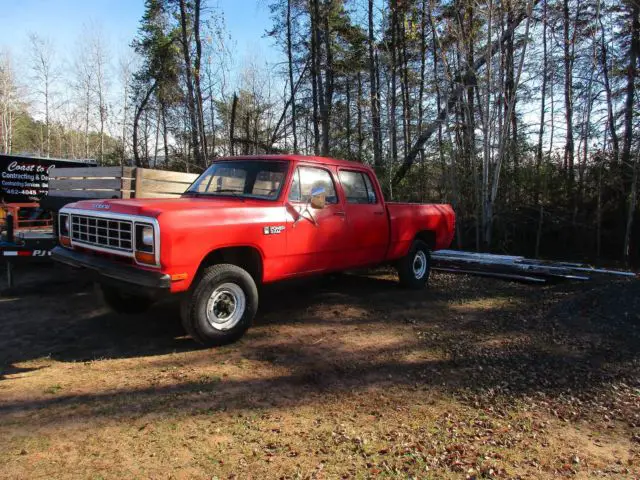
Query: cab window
(305, 179)
(357, 187)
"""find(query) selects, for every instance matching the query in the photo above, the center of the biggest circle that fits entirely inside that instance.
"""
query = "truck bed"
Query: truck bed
(408, 218)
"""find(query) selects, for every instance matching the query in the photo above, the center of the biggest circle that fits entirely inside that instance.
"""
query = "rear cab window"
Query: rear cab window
(357, 186)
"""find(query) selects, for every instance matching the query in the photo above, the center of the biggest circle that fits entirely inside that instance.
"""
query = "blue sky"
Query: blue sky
(63, 21)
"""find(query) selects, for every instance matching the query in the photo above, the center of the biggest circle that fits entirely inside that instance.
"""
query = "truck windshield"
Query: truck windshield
(247, 178)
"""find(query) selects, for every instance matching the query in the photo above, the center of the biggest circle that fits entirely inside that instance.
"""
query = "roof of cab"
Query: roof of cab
(299, 158)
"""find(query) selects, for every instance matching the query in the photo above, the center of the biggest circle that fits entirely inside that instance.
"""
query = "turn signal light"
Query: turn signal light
(179, 276)
(65, 241)
(146, 258)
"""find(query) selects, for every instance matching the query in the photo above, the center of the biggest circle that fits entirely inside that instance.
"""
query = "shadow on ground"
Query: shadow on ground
(464, 335)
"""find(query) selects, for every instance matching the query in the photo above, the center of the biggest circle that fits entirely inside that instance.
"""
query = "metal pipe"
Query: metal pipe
(506, 276)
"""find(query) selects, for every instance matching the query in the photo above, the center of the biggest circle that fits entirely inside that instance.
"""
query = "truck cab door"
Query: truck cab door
(367, 219)
(315, 236)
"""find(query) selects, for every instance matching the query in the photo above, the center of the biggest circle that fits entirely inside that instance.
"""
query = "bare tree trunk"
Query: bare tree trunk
(47, 117)
(609, 95)
(543, 92)
(189, 81)
(568, 91)
(539, 231)
(196, 78)
(634, 52)
(125, 110)
(599, 210)
(510, 113)
(291, 85)
(86, 123)
(348, 115)
(213, 122)
(485, 125)
(165, 136)
(325, 107)
(232, 125)
(436, 81)
(136, 121)
(394, 48)
(631, 212)
(359, 118)
(145, 144)
(157, 139)
(316, 89)
(374, 89)
(404, 84)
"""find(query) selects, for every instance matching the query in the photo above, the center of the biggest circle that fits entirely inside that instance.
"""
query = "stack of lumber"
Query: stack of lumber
(514, 267)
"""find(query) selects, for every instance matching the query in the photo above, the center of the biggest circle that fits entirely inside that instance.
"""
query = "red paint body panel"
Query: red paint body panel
(344, 235)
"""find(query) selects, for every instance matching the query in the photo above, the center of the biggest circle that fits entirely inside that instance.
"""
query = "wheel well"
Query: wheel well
(248, 258)
(428, 237)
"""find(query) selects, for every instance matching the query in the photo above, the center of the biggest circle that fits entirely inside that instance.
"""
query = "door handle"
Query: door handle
(339, 214)
(378, 213)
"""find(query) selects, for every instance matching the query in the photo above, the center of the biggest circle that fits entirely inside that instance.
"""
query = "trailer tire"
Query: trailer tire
(220, 306)
(124, 303)
(414, 268)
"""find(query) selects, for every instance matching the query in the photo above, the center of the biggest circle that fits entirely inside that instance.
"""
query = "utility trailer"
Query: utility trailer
(81, 182)
(26, 229)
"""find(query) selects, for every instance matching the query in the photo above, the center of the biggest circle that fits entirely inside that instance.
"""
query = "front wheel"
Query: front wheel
(220, 306)
(415, 266)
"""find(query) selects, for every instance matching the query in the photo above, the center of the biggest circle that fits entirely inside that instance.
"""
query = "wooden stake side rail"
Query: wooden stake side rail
(117, 182)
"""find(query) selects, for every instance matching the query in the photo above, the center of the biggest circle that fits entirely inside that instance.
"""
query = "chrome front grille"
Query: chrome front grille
(102, 232)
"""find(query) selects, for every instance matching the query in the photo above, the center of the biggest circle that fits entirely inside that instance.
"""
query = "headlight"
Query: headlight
(147, 236)
(145, 249)
(64, 225)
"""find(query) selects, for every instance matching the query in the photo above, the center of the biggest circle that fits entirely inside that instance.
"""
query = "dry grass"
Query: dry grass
(347, 378)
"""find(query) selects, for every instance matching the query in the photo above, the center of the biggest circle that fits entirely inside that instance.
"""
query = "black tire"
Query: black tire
(415, 278)
(195, 318)
(123, 302)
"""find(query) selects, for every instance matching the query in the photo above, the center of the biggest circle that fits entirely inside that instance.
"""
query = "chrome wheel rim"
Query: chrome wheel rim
(419, 264)
(226, 306)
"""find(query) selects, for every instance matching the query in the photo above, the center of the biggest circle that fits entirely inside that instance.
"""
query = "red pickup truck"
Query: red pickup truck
(245, 222)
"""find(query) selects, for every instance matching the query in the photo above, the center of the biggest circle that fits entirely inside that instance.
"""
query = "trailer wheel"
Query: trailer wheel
(415, 266)
(220, 306)
(122, 302)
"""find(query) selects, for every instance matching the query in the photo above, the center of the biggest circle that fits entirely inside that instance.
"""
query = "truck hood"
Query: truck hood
(154, 207)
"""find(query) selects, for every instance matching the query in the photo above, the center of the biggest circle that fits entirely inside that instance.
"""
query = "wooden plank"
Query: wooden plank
(166, 176)
(161, 187)
(85, 193)
(86, 184)
(92, 172)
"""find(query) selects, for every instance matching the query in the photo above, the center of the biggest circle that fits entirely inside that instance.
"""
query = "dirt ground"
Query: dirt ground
(348, 377)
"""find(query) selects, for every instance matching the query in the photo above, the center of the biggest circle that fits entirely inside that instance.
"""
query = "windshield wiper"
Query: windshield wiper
(224, 191)
(228, 191)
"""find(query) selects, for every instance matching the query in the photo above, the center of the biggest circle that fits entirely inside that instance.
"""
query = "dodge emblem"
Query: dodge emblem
(102, 206)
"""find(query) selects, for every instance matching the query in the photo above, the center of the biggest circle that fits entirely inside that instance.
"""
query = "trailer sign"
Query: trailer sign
(26, 179)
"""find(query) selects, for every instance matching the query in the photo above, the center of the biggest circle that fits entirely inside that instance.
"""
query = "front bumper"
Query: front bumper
(109, 271)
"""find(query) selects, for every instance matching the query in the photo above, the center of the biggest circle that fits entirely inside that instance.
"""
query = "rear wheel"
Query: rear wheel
(220, 306)
(415, 267)
(122, 302)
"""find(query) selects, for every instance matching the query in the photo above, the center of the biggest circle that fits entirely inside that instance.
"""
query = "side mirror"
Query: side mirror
(318, 198)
